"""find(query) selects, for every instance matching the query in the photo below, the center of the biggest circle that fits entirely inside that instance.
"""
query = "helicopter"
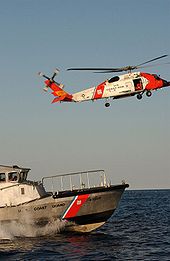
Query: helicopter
(116, 87)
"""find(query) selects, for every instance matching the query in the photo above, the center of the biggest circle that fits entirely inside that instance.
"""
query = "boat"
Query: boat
(82, 201)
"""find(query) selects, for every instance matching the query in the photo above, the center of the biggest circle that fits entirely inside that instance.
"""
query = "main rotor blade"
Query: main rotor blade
(96, 69)
(152, 60)
(120, 69)
(88, 69)
(153, 65)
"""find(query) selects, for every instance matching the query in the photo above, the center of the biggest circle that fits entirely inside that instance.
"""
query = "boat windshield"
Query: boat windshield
(12, 176)
(23, 176)
(2, 177)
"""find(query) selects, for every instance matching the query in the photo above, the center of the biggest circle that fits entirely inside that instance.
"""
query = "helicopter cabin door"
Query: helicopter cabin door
(138, 84)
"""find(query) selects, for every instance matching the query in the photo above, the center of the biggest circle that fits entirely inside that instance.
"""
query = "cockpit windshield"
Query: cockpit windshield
(156, 77)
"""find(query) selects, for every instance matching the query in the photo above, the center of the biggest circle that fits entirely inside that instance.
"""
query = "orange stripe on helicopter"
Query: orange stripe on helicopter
(152, 82)
(99, 91)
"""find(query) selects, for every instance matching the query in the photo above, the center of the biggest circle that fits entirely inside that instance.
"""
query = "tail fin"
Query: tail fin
(57, 91)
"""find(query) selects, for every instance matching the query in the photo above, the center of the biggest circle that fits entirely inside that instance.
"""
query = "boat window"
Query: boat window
(12, 176)
(114, 79)
(2, 177)
(22, 191)
(23, 176)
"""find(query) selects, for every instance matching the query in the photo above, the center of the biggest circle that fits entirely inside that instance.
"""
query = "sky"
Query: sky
(130, 140)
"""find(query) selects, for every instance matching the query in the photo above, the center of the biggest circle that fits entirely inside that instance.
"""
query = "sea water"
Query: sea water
(139, 230)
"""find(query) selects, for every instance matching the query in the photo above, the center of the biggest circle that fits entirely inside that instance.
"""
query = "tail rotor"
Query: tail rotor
(50, 79)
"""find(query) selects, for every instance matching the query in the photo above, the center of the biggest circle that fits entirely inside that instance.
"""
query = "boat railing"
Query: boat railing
(75, 181)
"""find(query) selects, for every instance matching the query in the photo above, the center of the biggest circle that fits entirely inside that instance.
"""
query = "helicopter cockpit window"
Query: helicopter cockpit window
(114, 79)
(2, 177)
(12, 176)
(156, 77)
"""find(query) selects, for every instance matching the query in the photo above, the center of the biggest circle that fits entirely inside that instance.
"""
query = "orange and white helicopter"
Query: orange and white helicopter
(129, 84)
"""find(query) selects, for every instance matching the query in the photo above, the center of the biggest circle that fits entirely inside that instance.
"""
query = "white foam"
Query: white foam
(15, 229)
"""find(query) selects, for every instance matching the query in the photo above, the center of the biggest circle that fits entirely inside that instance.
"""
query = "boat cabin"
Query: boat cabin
(15, 189)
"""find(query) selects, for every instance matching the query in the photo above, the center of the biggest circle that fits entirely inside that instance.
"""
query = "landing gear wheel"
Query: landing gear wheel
(107, 104)
(148, 93)
(139, 96)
